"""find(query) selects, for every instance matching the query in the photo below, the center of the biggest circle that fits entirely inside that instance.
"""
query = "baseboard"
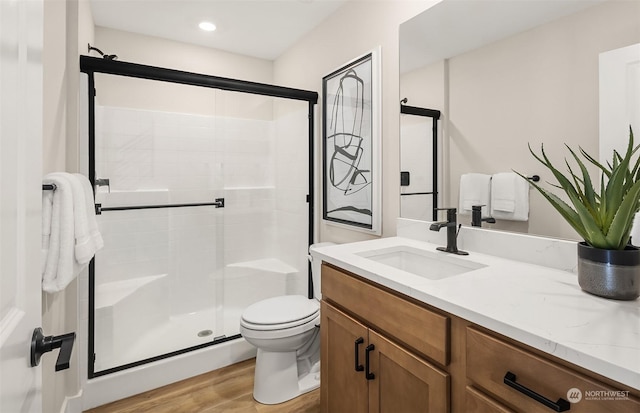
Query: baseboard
(72, 404)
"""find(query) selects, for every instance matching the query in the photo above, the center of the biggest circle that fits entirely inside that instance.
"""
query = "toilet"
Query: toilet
(286, 332)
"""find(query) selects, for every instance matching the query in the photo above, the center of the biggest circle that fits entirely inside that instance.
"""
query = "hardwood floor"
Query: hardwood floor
(225, 390)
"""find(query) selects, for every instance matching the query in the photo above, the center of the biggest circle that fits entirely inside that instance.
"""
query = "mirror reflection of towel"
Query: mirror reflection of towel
(474, 190)
(509, 197)
(635, 231)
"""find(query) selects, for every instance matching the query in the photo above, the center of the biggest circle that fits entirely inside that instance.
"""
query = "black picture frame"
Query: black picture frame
(351, 145)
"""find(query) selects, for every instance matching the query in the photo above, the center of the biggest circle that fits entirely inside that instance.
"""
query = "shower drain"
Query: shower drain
(205, 333)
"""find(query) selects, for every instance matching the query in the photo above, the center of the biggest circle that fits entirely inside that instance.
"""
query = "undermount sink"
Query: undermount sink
(423, 263)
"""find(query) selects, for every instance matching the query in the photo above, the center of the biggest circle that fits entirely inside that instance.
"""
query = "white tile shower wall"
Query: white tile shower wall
(415, 152)
(292, 187)
(156, 158)
(249, 224)
(136, 244)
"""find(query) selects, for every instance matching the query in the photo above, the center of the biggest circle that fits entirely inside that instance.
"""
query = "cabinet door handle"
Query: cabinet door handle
(560, 406)
(358, 366)
(367, 351)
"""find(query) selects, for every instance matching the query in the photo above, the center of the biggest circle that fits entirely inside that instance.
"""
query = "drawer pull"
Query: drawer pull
(367, 351)
(358, 366)
(560, 406)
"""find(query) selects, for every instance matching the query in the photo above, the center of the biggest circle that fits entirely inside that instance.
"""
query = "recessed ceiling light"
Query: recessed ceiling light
(207, 26)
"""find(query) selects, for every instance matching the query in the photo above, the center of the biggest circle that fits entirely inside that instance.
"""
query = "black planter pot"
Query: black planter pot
(609, 273)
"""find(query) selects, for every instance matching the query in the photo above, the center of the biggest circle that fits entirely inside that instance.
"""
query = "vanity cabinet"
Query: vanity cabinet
(363, 368)
(517, 377)
(386, 352)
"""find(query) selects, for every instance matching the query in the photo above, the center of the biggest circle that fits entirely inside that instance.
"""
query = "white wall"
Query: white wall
(151, 95)
(355, 29)
(67, 25)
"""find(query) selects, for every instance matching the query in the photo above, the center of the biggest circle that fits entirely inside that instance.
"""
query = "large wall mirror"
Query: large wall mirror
(505, 74)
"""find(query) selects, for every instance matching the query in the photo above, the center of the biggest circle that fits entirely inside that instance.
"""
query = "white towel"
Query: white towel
(67, 239)
(60, 267)
(83, 243)
(475, 190)
(509, 197)
(94, 238)
(47, 210)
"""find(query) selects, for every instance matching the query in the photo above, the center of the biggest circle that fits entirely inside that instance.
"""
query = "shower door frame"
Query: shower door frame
(434, 114)
(92, 65)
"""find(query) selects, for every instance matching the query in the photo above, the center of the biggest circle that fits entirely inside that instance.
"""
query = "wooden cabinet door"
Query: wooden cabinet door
(404, 382)
(342, 387)
(477, 402)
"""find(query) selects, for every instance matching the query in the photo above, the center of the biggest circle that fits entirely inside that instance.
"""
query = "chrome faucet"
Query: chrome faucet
(452, 232)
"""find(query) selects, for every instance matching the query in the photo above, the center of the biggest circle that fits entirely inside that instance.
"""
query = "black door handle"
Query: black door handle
(560, 406)
(367, 351)
(41, 344)
(358, 366)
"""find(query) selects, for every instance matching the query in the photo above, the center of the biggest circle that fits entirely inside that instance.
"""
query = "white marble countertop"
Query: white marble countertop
(539, 306)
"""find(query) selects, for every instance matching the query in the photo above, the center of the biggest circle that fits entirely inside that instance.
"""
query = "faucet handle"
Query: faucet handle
(451, 213)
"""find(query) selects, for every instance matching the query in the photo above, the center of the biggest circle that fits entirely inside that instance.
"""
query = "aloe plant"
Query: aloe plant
(602, 218)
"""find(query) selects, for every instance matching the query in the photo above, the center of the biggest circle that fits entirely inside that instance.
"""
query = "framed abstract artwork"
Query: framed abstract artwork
(351, 144)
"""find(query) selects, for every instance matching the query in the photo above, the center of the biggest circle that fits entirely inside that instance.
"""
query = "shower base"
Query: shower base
(176, 333)
(125, 383)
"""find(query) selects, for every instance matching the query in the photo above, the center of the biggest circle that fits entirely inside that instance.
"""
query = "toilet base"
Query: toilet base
(276, 379)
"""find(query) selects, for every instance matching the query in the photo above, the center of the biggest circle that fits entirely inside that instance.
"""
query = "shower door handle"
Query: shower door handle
(219, 203)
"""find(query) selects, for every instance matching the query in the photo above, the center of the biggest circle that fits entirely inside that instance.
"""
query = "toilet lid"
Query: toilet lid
(281, 310)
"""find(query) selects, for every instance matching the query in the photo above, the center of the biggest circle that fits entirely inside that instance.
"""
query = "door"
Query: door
(620, 105)
(343, 387)
(20, 203)
(403, 382)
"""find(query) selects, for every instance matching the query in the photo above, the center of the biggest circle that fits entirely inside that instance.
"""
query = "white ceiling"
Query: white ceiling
(258, 28)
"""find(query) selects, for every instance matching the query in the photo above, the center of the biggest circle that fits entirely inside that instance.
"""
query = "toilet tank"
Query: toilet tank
(316, 266)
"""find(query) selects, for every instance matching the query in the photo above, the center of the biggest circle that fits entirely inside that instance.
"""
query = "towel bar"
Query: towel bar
(49, 187)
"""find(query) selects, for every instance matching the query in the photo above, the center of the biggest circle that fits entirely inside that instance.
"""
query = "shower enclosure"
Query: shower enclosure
(203, 193)
(418, 162)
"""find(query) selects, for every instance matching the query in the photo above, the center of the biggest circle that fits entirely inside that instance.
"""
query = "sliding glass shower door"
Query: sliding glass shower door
(159, 280)
(202, 201)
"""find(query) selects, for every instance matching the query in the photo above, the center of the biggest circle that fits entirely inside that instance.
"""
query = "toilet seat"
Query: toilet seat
(278, 313)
